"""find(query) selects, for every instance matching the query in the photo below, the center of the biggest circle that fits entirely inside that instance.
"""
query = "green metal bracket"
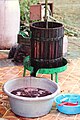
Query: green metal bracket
(51, 71)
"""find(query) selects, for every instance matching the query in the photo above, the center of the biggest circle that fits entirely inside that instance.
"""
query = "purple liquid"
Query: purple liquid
(31, 92)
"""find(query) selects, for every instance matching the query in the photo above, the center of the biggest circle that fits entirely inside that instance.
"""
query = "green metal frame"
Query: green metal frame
(51, 71)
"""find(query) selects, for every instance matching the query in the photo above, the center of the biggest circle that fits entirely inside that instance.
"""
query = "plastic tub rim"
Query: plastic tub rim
(28, 98)
(55, 99)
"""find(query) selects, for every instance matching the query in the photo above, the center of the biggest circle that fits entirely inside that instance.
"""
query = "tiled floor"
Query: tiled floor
(69, 82)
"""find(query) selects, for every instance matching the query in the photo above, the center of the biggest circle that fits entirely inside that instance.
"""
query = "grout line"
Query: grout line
(75, 117)
(15, 74)
(7, 71)
(74, 85)
(5, 113)
(41, 75)
(57, 116)
(10, 117)
(69, 74)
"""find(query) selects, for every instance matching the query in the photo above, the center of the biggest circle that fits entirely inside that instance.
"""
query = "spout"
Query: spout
(34, 72)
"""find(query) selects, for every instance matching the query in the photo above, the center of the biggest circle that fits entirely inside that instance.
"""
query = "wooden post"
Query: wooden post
(46, 3)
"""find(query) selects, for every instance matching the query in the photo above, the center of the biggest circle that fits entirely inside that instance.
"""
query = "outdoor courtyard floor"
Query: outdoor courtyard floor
(69, 82)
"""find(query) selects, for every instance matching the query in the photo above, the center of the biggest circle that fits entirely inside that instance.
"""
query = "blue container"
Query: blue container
(71, 98)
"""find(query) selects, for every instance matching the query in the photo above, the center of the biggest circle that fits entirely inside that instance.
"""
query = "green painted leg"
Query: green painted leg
(24, 72)
(56, 77)
(51, 76)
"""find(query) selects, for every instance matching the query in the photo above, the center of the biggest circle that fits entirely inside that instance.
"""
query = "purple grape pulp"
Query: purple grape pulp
(31, 92)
